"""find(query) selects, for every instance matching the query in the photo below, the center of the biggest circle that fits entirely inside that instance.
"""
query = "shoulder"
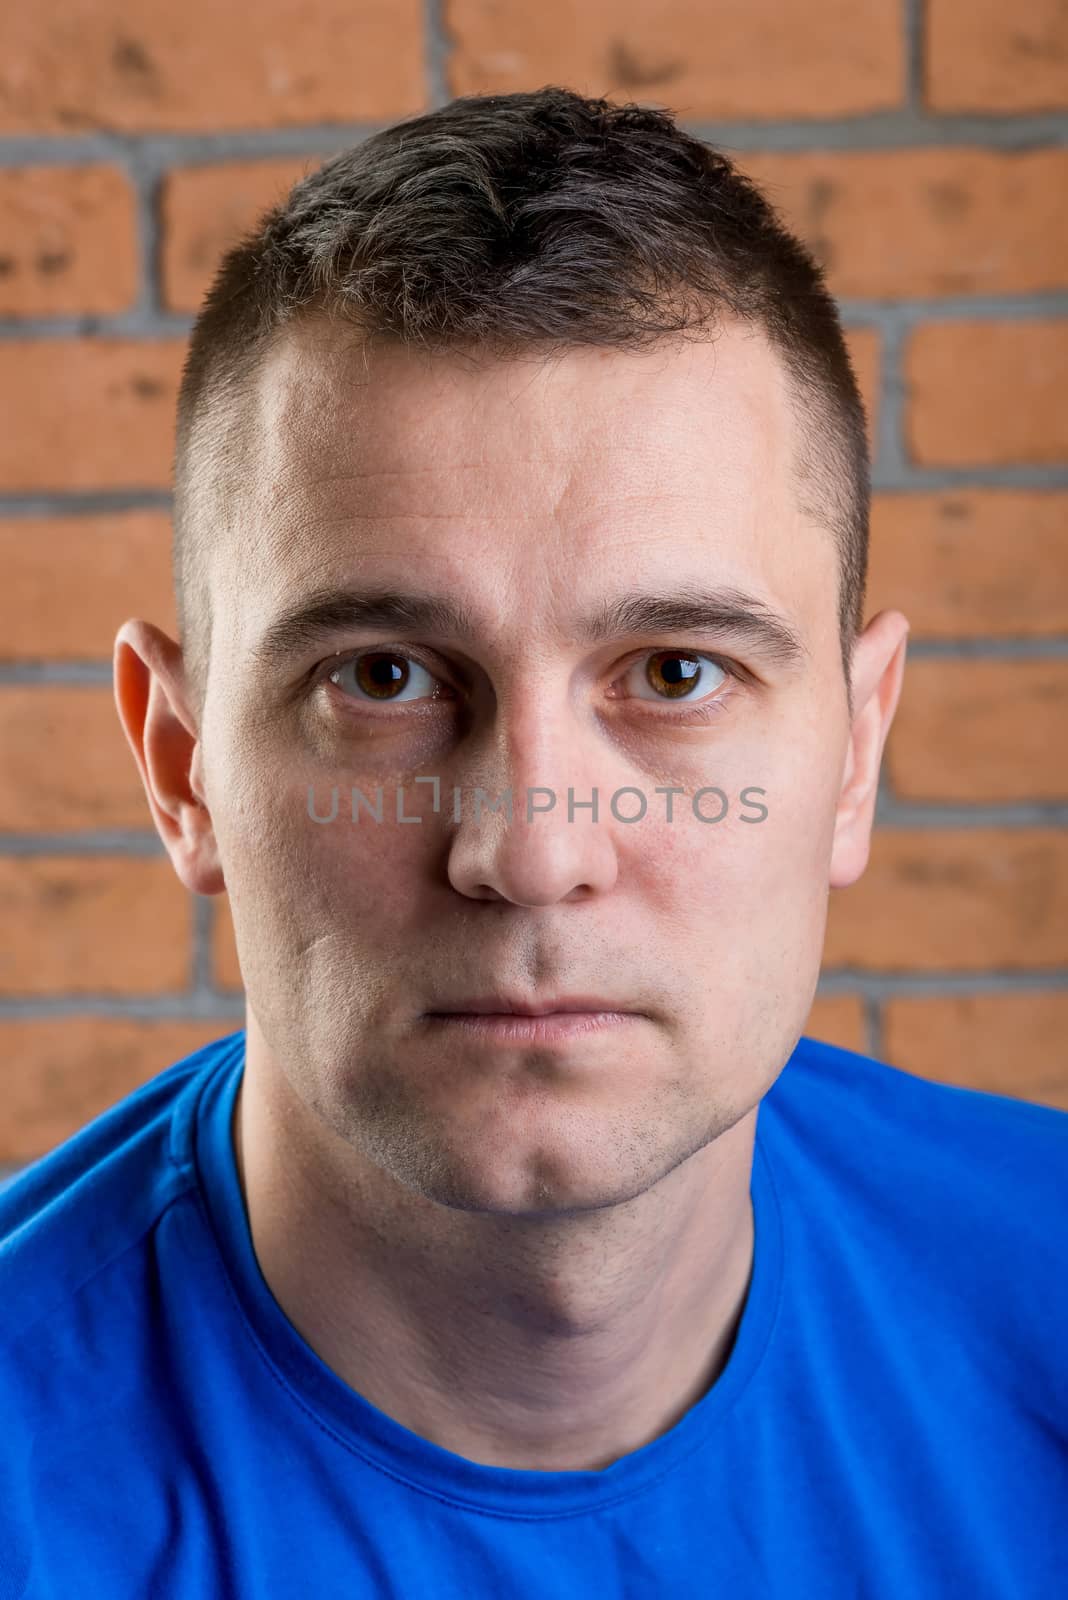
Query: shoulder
(937, 1115)
(69, 1215)
(965, 1152)
(957, 1192)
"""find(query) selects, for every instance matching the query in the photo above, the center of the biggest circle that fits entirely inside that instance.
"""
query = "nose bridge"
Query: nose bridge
(552, 840)
(532, 750)
(541, 741)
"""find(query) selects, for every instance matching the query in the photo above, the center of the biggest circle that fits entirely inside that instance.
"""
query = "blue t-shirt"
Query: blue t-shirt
(891, 1424)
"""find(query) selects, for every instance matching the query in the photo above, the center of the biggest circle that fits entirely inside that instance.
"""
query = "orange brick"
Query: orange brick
(838, 1019)
(70, 241)
(93, 924)
(226, 973)
(888, 224)
(971, 562)
(942, 900)
(204, 210)
(987, 392)
(78, 69)
(982, 55)
(863, 347)
(92, 413)
(59, 1073)
(69, 582)
(1002, 1043)
(763, 60)
(68, 764)
(981, 730)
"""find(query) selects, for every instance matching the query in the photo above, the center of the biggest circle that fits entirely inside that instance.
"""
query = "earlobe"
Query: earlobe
(150, 697)
(878, 668)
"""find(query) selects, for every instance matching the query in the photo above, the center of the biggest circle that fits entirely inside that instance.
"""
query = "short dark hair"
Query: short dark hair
(501, 224)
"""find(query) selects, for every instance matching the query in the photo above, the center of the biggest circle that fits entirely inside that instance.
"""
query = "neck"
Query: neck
(541, 1343)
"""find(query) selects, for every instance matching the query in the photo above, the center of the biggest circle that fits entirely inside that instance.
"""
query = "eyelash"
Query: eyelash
(696, 710)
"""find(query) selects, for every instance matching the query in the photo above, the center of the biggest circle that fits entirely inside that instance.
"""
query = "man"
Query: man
(464, 1268)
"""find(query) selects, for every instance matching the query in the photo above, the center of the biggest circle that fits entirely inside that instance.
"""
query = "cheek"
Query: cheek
(298, 868)
(325, 914)
(365, 875)
(749, 895)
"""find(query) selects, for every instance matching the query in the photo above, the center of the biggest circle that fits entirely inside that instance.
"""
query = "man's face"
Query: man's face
(532, 496)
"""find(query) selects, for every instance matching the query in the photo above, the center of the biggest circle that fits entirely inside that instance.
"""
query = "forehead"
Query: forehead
(496, 476)
(325, 398)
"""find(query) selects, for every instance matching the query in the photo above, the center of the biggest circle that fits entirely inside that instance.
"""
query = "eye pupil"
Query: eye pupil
(379, 670)
(675, 672)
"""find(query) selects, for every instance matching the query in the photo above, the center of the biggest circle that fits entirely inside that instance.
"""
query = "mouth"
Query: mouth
(514, 1005)
(503, 1020)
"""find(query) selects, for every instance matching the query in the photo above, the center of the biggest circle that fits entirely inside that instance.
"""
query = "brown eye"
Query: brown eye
(676, 675)
(381, 674)
(385, 675)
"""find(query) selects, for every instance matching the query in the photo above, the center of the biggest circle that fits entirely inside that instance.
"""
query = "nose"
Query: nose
(561, 853)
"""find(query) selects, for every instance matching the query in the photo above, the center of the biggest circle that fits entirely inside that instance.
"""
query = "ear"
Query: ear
(878, 666)
(154, 709)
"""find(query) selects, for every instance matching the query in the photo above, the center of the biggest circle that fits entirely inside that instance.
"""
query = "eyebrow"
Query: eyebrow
(324, 614)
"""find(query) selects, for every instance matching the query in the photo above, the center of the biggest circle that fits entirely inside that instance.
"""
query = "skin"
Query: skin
(536, 1257)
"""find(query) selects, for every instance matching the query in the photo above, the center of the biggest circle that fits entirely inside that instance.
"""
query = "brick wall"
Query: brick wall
(922, 151)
